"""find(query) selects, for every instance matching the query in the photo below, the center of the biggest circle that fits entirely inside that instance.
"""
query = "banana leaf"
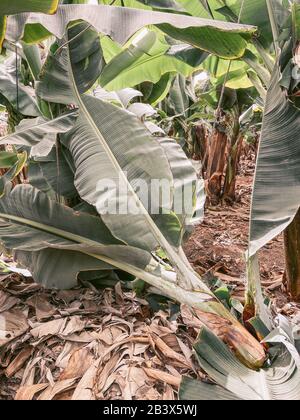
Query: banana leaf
(22, 98)
(280, 381)
(276, 188)
(11, 7)
(224, 39)
(148, 60)
(39, 133)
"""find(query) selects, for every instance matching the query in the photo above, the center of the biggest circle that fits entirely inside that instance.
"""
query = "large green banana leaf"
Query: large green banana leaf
(221, 38)
(33, 223)
(102, 133)
(276, 194)
(56, 171)
(281, 381)
(104, 141)
(35, 227)
(254, 12)
(277, 182)
(22, 98)
(40, 134)
(48, 265)
(147, 60)
(54, 175)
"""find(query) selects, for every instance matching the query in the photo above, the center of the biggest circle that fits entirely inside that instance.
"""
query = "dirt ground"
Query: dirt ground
(219, 244)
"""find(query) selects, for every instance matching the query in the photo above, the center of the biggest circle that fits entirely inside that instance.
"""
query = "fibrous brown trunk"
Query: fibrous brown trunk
(292, 257)
(231, 171)
(201, 151)
(216, 165)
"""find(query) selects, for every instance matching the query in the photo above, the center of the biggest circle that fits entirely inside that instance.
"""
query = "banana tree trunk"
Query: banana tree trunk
(229, 194)
(216, 165)
(292, 257)
(201, 146)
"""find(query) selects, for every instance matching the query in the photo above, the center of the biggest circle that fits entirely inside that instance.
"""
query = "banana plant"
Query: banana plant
(275, 199)
(108, 143)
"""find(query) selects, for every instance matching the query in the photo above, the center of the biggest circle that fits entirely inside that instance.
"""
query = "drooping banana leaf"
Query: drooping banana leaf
(48, 265)
(234, 381)
(33, 223)
(21, 98)
(140, 62)
(105, 133)
(40, 134)
(33, 57)
(192, 7)
(58, 171)
(11, 7)
(222, 38)
(254, 12)
(276, 188)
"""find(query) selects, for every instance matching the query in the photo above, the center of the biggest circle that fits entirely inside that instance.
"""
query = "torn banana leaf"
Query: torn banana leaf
(234, 381)
(40, 134)
(276, 193)
(221, 38)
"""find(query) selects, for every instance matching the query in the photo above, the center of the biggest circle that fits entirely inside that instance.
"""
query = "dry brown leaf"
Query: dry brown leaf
(84, 389)
(49, 328)
(27, 393)
(79, 362)
(170, 353)
(42, 306)
(189, 319)
(163, 377)
(7, 302)
(148, 393)
(59, 387)
(104, 353)
(66, 352)
(140, 348)
(105, 371)
(61, 327)
(110, 335)
(12, 324)
(18, 361)
(74, 325)
(168, 394)
(135, 379)
(171, 341)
